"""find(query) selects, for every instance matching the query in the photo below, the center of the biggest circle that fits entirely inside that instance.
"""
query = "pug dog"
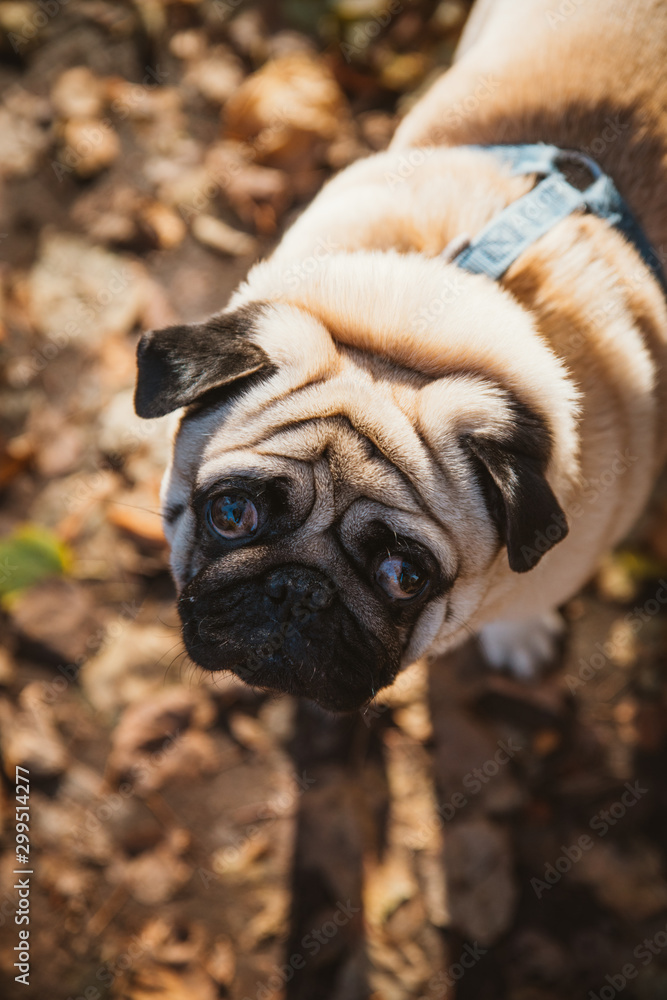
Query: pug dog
(381, 453)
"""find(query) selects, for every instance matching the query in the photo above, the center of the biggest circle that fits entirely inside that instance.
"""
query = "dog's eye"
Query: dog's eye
(232, 516)
(400, 578)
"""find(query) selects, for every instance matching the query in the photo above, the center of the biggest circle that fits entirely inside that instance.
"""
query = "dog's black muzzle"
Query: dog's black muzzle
(286, 631)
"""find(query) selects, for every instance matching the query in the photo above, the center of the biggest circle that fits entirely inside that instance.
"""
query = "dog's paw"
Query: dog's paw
(522, 647)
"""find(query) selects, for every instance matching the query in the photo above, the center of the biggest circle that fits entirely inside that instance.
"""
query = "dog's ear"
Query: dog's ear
(181, 364)
(511, 469)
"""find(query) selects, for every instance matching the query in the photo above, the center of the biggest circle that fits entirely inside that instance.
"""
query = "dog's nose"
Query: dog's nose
(299, 585)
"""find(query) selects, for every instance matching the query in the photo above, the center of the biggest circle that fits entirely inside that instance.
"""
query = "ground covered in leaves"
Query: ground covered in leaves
(191, 839)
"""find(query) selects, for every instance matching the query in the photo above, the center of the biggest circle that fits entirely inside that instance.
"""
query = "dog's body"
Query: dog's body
(392, 394)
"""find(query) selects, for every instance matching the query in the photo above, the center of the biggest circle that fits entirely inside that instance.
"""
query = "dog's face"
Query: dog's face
(333, 514)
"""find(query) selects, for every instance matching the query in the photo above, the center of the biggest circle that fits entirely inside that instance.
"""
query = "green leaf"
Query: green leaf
(29, 555)
(305, 15)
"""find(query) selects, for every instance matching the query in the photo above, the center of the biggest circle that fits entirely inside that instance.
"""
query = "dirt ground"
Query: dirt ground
(466, 837)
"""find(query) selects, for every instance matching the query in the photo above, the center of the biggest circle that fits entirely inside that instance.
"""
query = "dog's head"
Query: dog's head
(349, 471)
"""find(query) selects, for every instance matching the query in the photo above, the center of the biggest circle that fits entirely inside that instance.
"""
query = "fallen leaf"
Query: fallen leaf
(30, 554)
(221, 962)
(629, 882)
(59, 617)
(481, 889)
(387, 886)
(153, 877)
(131, 665)
(270, 922)
(29, 738)
(79, 293)
(217, 235)
(87, 146)
(158, 739)
(216, 76)
(286, 110)
(173, 945)
(22, 143)
(158, 982)
(78, 93)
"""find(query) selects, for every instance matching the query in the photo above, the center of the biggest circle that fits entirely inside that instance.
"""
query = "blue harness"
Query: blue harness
(506, 237)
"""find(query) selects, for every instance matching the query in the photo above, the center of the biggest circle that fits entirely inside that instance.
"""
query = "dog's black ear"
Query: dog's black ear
(181, 364)
(528, 516)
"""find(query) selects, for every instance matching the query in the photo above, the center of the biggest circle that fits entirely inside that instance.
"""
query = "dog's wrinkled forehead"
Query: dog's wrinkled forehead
(328, 406)
(340, 462)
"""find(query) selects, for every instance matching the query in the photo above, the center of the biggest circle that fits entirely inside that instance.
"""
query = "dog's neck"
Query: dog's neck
(433, 202)
(592, 79)
(580, 281)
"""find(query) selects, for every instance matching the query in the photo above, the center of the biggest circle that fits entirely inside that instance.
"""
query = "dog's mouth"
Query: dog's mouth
(288, 632)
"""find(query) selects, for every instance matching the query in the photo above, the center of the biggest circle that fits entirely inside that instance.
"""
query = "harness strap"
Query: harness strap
(519, 225)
